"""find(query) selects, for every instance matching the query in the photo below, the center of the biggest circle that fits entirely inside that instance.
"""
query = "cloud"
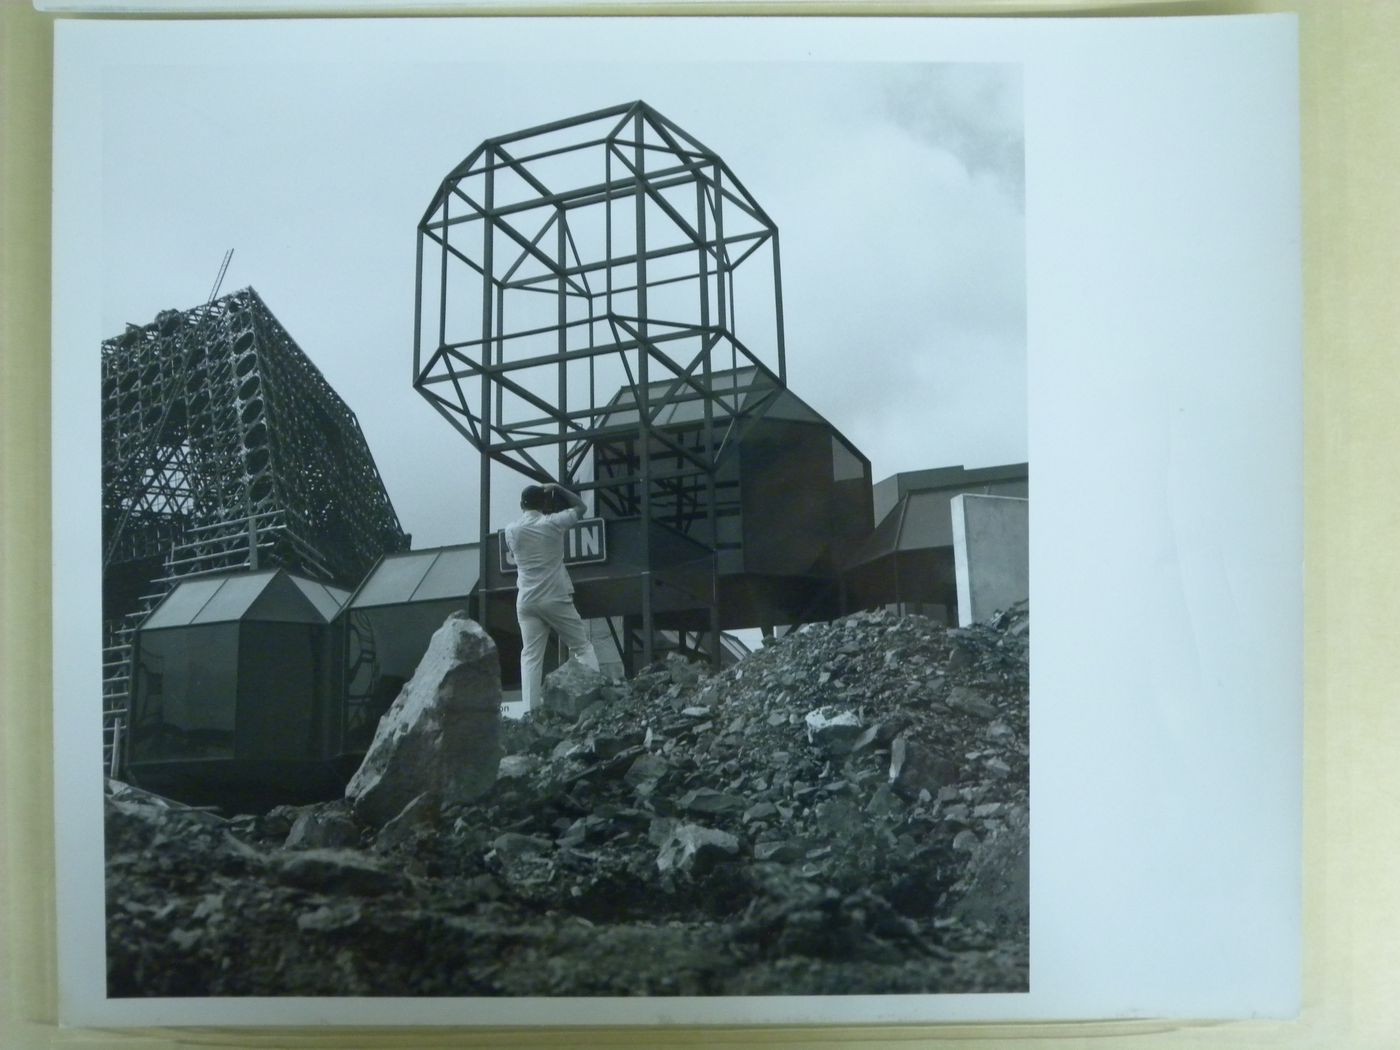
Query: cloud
(972, 112)
(904, 295)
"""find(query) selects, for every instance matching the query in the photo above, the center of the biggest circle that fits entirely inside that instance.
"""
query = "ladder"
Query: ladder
(118, 647)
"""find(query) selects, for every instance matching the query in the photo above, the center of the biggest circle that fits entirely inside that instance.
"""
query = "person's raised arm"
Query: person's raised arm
(573, 499)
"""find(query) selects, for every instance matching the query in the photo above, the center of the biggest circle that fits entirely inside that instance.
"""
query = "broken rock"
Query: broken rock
(646, 770)
(914, 767)
(321, 827)
(835, 732)
(683, 671)
(336, 871)
(707, 800)
(572, 688)
(422, 812)
(691, 849)
(514, 767)
(972, 701)
(996, 888)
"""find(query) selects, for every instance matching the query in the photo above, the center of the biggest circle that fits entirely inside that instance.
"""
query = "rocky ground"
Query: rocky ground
(843, 812)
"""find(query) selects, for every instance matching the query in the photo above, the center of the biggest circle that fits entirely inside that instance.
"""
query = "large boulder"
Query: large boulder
(441, 736)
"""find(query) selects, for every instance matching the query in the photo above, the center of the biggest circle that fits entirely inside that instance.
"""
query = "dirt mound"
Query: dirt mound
(845, 811)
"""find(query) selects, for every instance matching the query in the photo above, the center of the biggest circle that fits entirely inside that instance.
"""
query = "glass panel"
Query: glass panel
(850, 512)
(283, 601)
(183, 696)
(232, 599)
(394, 580)
(327, 600)
(182, 604)
(279, 670)
(789, 407)
(621, 417)
(691, 410)
(453, 575)
(845, 464)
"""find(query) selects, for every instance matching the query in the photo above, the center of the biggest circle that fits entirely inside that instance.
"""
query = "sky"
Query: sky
(898, 191)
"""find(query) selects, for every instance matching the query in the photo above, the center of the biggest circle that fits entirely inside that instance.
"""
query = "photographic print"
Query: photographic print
(788, 754)
(564, 523)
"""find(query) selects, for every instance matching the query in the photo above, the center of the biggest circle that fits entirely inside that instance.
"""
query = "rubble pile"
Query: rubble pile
(843, 812)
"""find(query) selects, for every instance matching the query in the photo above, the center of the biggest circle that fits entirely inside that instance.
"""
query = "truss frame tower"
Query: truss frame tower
(579, 280)
(214, 416)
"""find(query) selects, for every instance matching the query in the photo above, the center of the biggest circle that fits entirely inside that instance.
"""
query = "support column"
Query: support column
(711, 493)
(643, 398)
(488, 358)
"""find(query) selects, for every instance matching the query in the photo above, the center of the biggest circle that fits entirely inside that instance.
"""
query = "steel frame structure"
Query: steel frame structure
(223, 447)
(578, 280)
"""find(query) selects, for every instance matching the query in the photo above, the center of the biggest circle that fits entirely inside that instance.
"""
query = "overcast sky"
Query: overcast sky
(898, 191)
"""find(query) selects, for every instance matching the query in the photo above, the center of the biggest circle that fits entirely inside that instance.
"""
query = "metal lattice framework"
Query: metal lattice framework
(577, 294)
(562, 264)
(213, 417)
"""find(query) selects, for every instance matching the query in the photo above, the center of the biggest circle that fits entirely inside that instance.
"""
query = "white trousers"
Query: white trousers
(537, 619)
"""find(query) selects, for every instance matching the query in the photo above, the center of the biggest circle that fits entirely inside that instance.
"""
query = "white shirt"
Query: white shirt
(536, 542)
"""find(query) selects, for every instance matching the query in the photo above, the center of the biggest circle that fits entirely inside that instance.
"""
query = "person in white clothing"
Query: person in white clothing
(544, 598)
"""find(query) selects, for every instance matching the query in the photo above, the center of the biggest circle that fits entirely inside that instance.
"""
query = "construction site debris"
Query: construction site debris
(843, 812)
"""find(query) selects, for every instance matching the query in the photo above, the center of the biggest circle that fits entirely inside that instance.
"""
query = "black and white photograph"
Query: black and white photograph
(564, 520)
(749, 714)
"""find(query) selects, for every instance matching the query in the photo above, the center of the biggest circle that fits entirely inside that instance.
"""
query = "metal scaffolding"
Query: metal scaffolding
(223, 447)
(577, 288)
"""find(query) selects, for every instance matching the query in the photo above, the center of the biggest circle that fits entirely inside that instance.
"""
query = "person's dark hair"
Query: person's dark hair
(534, 497)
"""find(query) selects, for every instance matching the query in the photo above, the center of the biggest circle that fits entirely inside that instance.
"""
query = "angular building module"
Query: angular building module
(234, 691)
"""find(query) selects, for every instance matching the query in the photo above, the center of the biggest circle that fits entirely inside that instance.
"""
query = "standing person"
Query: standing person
(544, 597)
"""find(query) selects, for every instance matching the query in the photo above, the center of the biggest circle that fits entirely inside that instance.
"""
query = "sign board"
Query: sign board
(584, 544)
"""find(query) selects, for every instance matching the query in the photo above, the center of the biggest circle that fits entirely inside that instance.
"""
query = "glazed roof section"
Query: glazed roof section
(270, 594)
(748, 390)
(420, 576)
